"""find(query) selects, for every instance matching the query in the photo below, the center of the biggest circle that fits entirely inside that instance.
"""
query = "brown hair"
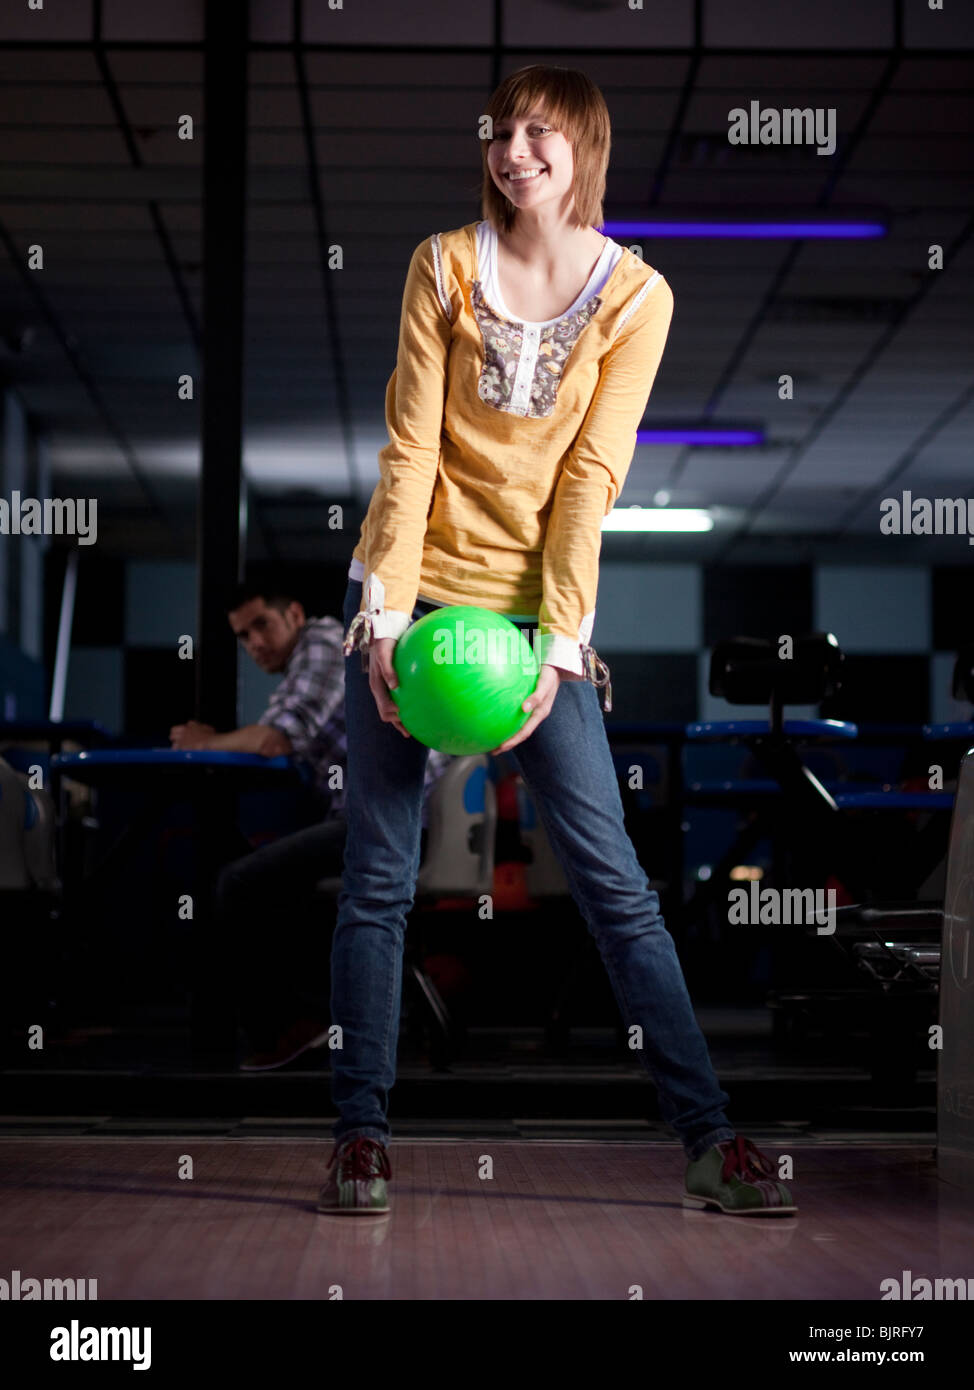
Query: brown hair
(572, 104)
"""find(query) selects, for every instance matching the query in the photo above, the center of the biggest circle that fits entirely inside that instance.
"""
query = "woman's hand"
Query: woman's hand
(540, 702)
(382, 679)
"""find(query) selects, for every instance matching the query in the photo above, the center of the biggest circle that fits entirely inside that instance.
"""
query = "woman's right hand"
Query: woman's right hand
(382, 678)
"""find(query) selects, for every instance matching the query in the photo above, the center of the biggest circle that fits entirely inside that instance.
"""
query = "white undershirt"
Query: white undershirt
(487, 264)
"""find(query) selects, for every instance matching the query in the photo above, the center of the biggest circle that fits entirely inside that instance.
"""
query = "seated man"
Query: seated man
(283, 1000)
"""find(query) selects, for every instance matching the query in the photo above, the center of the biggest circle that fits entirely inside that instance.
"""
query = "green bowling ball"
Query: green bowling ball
(464, 674)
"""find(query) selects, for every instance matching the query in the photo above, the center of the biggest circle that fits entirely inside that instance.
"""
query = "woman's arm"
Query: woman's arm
(408, 464)
(592, 478)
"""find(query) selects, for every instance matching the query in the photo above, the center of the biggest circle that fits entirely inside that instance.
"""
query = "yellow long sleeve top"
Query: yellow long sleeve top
(508, 444)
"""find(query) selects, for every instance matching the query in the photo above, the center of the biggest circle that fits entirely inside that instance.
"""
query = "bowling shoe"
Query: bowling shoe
(357, 1183)
(738, 1179)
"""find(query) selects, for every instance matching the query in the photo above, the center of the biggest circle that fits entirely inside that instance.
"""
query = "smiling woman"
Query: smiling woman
(528, 347)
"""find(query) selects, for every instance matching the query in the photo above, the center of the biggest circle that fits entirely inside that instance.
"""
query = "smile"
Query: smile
(520, 174)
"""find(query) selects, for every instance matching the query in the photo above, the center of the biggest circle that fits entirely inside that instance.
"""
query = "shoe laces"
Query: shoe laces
(361, 1159)
(744, 1160)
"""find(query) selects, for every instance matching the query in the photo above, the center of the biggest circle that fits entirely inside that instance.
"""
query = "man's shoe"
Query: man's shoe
(739, 1179)
(357, 1185)
(305, 1033)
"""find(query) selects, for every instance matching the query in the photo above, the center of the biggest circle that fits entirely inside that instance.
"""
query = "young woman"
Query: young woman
(528, 347)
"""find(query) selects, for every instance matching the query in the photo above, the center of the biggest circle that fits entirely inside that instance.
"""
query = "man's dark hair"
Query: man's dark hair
(275, 593)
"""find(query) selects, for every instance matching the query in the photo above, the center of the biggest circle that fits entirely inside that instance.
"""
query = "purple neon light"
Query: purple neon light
(748, 230)
(689, 436)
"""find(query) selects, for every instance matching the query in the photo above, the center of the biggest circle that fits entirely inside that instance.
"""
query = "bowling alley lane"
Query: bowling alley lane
(571, 1219)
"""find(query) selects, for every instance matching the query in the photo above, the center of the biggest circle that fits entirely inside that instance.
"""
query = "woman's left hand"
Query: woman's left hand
(539, 702)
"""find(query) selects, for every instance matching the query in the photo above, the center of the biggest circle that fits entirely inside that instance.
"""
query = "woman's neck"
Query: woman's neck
(543, 248)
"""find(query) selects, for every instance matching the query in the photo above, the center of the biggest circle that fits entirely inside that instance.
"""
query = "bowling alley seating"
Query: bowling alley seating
(892, 944)
(459, 857)
(807, 820)
(788, 804)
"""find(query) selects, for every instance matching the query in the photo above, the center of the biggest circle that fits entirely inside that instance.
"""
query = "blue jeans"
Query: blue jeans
(567, 764)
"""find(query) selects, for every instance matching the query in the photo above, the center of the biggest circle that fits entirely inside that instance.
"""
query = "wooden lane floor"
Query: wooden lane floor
(556, 1220)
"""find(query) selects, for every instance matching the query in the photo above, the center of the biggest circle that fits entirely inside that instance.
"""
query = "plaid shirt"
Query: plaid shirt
(309, 708)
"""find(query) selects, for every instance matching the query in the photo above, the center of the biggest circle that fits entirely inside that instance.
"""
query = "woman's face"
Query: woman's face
(526, 143)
